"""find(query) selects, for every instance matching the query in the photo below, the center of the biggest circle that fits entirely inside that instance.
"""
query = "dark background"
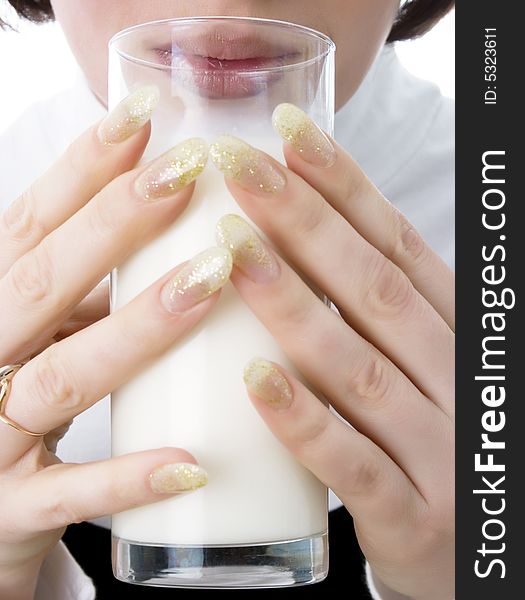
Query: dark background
(480, 128)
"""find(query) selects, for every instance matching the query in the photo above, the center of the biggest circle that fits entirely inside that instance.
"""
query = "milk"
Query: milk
(194, 397)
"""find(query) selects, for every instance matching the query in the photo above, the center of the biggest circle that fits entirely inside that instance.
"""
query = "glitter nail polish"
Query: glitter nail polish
(262, 519)
(129, 115)
(267, 382)
(247, 165)
(249, 252)
(200, 278)
(178, 477)
(173, 170)
(308, 140)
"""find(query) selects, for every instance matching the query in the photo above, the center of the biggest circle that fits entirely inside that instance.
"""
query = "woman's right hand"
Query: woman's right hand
(83, 217)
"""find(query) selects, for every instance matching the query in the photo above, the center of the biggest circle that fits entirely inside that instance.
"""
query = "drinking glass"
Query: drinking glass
(261, 521)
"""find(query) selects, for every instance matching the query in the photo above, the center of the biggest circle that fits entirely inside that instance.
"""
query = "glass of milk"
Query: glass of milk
(261, 521)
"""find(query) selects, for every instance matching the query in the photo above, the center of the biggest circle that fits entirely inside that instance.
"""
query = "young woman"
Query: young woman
(384, 359)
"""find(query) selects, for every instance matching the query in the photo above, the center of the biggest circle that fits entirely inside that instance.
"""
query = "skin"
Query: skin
(394, 472)
(358, 27)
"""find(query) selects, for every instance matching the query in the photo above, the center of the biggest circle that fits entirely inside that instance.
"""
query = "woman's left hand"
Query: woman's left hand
(385, 362)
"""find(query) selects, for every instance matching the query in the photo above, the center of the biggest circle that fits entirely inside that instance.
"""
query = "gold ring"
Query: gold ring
(6, 375)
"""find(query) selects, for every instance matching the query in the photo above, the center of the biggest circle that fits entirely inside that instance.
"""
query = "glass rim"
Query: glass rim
(330, 46)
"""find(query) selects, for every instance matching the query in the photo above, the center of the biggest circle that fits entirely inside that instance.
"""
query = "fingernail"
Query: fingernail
(247, 165)
(202, 276)
(307, 139)
(249, 252)
(265, 381)
(173, 170)
(178, 477)
(129, 115)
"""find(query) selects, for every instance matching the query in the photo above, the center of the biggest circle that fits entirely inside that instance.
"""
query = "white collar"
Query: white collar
(385, 121)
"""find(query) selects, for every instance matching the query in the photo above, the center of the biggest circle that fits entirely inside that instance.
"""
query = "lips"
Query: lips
(222, 78)
(221, 65)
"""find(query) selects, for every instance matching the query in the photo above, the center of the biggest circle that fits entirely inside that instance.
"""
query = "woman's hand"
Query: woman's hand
(57, 241)
(385, 362)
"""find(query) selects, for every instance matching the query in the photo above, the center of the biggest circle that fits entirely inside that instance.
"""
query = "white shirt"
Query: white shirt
(400, 130)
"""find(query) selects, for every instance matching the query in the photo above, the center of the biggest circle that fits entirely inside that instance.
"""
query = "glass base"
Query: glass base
(280, 564)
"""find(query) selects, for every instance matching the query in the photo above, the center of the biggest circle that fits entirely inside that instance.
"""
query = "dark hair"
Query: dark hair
(415, 17)
(37, 11)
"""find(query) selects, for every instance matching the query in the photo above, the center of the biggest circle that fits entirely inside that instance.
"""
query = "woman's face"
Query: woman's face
(358, 27)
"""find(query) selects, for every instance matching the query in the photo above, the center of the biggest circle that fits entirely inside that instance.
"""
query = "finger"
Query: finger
(71, 375)
(71, 493)
(42, 286)
(52, 438)
(362, 384)
(92, 308)
(82, 171)
(368, 482)
(372, 293)
(329, 169)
